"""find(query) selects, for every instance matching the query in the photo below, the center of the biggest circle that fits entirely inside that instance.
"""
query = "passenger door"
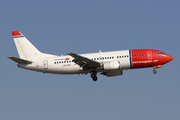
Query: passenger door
(149, 55)
(45, 63)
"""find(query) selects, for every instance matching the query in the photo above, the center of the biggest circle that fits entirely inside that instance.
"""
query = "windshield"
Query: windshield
(160, 53)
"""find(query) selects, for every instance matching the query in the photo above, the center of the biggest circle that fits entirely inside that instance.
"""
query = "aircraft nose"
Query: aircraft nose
(169, 58)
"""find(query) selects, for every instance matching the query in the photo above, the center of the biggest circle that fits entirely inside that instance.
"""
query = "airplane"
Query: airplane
(110, 63)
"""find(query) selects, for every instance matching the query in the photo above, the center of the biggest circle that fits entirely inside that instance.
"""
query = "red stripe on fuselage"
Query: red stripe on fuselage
(142, 58)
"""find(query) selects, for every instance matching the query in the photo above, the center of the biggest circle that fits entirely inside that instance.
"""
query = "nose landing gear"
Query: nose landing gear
(94, 76)
(158, 66)
(154, 71)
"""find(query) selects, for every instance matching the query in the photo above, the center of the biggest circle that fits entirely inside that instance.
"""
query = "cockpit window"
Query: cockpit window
(160, 53)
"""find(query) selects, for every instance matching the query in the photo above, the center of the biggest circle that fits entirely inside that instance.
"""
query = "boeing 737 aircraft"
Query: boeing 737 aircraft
(106, 63)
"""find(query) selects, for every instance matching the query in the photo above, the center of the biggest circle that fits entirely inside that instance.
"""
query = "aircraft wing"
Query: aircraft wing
(83, 61)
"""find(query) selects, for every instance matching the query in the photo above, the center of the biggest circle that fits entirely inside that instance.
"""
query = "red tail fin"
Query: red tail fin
(16, 33)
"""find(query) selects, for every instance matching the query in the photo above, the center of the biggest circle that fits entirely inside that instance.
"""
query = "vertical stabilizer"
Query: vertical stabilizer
(26, 50)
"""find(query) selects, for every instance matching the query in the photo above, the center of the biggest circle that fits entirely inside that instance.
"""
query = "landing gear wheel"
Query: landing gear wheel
(154, 71)
(93, 76)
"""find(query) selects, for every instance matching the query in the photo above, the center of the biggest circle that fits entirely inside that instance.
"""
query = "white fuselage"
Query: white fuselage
(65, 65)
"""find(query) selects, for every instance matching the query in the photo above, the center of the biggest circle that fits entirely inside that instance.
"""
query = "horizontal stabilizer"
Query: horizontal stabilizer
(20, 61)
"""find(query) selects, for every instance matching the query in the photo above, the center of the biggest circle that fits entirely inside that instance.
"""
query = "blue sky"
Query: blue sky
(58, 27)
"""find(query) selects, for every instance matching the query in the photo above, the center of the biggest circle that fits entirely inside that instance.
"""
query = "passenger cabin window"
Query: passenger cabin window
(136, 55)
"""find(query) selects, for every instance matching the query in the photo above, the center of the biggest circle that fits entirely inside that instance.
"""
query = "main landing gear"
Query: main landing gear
(94, 76)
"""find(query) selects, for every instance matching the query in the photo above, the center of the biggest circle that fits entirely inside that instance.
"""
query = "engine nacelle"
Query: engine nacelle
(112, 73)
(114, 65)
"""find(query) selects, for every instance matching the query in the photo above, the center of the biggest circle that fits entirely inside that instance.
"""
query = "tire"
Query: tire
(93, 75)
(154, 71)
(95, 78)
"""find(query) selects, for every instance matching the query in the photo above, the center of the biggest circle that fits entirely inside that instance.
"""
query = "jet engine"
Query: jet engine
(112, 73)
(113, 65)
